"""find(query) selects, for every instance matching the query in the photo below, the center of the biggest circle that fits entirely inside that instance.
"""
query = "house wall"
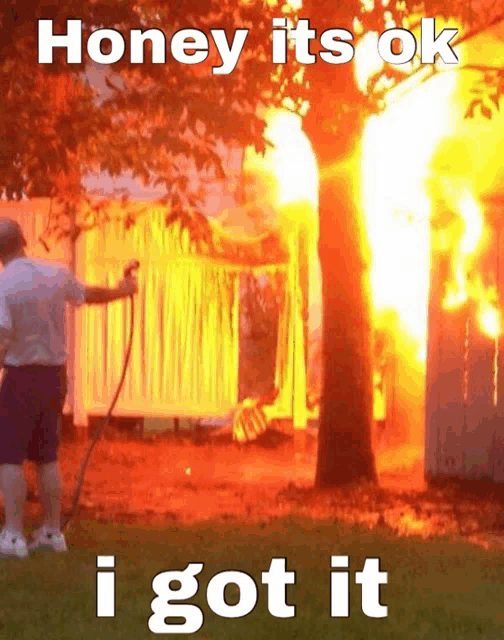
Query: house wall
(465, 379)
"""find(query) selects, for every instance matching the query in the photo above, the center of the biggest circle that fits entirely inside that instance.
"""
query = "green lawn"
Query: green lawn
(436, 590)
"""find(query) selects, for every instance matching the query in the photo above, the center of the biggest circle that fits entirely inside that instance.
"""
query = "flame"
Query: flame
(401, 178)
(293, 159)
(463, 244)
(367, 60)
(290, 5)
(397, 149)
(291, 162)
(466, 283)
(490, 321)
(284, 182)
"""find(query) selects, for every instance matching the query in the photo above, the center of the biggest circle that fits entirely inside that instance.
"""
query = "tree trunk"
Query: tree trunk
(346, 413)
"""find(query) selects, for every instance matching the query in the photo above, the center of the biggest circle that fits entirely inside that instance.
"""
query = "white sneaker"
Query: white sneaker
(43, 539)
(12, 544)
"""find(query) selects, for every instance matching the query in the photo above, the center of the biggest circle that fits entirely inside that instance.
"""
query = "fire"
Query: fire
(397, 149)
(293, 5)
(466, 283)
(291, 161)
(367, 60)
(405, 193)
(285, 182)
(490, 321)
(463, 244)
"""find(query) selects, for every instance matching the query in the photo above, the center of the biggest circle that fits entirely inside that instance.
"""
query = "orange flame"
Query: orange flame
(467, 283)
(399, 178)
(397, 149)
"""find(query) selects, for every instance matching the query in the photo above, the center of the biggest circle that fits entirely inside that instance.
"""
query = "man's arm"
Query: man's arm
(78, 293)
(101, 295)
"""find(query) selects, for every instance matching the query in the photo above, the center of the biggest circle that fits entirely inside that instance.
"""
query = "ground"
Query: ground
(170, 479)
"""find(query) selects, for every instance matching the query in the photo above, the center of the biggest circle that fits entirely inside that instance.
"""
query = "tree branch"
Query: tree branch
(435, 69)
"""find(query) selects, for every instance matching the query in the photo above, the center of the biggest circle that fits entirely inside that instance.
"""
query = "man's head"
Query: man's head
(12, 240)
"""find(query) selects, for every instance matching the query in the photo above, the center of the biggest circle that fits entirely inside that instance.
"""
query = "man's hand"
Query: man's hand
(130, 267)
(128, 286)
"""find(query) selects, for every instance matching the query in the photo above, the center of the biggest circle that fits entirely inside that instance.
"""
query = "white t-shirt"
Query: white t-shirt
(32, 310)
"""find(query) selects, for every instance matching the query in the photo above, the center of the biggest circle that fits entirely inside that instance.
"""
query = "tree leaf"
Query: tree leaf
(472, 106)
(486, 112)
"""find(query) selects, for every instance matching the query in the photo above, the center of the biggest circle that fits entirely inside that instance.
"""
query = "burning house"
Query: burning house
(465, 379)
(430, 184)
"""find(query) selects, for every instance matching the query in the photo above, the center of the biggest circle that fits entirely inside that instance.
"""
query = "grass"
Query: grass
(437, 589)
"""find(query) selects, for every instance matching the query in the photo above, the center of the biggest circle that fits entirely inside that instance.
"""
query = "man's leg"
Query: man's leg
(43, 450)
(15, 428)
(49, 486)
(13, 485)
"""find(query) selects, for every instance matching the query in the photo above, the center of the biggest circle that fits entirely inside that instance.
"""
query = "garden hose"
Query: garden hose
(99, 432)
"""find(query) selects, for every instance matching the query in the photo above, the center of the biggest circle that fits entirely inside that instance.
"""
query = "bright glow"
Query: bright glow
(291, 162)
(463, 249)
(289, 5)
(466, 283)
(473, 218)
(397, 149)
(367, 59)
(287, 177)
(489, 320)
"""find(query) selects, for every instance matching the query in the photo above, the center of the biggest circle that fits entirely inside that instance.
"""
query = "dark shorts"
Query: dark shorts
(31, 402)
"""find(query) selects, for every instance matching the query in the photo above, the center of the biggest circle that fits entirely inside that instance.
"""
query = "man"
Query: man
(33, 294)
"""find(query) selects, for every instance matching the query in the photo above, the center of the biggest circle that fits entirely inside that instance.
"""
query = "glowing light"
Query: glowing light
(397, 149)
(463, 250)
(289, 5)
(367, 59)
(466, 282)
(291, 161)
(473, 218)
(489, 320)
(409, 524)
